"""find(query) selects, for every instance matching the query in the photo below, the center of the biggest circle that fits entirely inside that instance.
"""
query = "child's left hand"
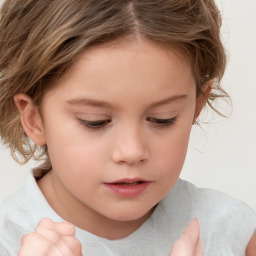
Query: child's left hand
(251, 248)
(189, 243)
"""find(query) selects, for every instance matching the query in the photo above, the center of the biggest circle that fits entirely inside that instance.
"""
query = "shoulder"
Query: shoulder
(13, 208)
(224, 220)
(11, 223)
(21, 213)
(205, 199)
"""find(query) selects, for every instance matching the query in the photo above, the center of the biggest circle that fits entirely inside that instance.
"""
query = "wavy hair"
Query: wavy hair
(39, 41)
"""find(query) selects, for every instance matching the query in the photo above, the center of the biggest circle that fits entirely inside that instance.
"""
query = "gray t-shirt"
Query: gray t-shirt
(226, 224)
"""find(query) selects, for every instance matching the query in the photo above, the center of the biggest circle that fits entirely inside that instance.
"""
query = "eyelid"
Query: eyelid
(95, 124)
(92, 116)
(162, 122)
(164, 114)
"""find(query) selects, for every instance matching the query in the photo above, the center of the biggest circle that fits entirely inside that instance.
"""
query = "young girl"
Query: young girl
(106, 92)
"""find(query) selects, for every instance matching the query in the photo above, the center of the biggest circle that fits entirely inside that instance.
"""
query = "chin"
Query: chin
(125, 215)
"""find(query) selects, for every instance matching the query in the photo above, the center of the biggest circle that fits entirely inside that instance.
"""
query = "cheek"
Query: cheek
(76, 166)
(171, 152)
(72, 151)
(78, 157)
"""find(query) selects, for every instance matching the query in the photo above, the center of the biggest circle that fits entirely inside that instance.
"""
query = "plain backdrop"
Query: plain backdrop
(222, 153)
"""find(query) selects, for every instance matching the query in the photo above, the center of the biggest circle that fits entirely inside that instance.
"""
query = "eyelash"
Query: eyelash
(161, 123)
(94, 125)
(101, 124)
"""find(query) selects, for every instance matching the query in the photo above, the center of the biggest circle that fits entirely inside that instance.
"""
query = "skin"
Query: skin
(51, 239)
(58, 239)
(251, 248)
(189, 243)
(131, 85)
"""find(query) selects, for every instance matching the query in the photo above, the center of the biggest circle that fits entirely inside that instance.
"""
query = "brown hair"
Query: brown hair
(39, 40)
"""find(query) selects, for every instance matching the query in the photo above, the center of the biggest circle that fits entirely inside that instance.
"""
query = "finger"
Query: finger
(69, 245)
(189, 242)
(33, 244)
(51, 236)
(63, 228)
(64, 245)
(191, 234)
(251, 247)
(60, 236)
(199, 249)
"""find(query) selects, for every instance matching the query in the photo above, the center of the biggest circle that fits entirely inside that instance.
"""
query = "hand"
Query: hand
(51, 239)
(189, 243)
(251, 248)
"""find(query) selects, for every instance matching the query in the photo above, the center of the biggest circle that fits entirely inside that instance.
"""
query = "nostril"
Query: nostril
(130, 158)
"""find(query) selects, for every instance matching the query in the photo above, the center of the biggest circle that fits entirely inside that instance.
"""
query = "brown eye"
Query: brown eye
(162, 122)
(96, 124)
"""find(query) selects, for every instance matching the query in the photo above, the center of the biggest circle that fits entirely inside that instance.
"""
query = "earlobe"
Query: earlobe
(30, 119)
(202, 99)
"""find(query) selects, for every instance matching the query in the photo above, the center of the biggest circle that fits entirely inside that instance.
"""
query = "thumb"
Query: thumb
(251, 248)
(189, 243)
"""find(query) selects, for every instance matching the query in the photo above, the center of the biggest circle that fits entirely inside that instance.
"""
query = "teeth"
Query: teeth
(133, 183)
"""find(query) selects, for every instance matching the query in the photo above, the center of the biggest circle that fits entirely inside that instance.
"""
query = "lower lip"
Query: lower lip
(127, 190)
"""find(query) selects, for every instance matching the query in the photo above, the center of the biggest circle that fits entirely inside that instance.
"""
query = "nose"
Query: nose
(130, 148)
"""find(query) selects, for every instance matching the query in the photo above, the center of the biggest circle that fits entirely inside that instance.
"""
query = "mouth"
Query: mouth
(128, 183)
(128, 187)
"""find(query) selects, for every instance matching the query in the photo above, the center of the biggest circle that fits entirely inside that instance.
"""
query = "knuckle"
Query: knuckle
(45, 221)
(30, 244)
(27, 238)
(74, 244)
(70, 227)
(77, 244)
(67, 228)
(67, 224)
(21, 253)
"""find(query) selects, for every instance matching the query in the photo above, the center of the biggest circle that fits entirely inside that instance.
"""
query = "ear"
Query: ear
(30, 119)
(202, 99)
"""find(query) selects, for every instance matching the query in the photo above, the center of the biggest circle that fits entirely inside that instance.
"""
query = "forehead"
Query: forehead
(132, 45)
(128, 67)
(130, 50)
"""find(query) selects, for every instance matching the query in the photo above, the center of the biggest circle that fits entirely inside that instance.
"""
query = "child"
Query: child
(106, 92)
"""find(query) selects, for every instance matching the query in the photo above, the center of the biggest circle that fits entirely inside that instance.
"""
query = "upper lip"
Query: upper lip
(127, 180)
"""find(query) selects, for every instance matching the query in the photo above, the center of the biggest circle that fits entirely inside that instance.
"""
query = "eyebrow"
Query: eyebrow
(89, 102)
(168, 100)
(104, 104)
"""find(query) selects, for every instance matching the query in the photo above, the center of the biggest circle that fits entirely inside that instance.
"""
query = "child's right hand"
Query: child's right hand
(51, 239)
(189, 243)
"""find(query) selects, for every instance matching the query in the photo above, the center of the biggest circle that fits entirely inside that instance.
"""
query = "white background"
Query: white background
(222, 155)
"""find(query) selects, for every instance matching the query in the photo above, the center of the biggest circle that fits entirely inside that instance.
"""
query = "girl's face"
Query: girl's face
(117, 128)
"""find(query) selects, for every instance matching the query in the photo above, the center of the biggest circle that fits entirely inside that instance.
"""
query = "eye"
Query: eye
(95, 124)
(162, 122)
